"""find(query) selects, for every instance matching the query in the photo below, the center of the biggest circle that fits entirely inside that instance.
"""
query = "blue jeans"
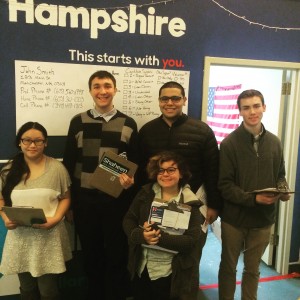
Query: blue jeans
(253, 242)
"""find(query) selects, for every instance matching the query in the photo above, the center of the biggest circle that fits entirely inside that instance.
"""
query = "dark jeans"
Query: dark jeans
(98, 222)
(146, 289)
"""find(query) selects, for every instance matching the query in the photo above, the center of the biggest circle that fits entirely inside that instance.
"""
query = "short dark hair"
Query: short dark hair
(155, 162)
(102, 74)
(27, 126)
(249, 94)
(173, 84)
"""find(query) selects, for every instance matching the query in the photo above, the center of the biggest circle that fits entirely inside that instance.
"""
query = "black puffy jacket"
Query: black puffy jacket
(192, 139)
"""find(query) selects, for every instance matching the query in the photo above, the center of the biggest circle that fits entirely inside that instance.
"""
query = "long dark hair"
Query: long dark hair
(13, 172)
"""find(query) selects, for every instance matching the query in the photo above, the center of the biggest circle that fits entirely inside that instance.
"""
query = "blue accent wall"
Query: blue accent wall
(210, 31)
(2, 238)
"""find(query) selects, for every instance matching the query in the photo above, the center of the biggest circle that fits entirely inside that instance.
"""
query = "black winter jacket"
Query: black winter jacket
(192, 139)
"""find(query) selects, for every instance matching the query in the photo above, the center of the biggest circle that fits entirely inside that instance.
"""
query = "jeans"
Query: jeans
(253, 242)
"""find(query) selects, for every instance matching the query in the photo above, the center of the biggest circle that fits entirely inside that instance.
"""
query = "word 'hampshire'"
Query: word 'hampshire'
(97, 19)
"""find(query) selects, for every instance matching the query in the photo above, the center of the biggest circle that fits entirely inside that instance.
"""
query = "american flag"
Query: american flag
(222, 112)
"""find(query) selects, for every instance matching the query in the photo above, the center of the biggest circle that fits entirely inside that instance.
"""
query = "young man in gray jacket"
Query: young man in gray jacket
(251, 158)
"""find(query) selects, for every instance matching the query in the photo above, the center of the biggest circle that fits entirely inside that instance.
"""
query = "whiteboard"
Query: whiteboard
(52, 93)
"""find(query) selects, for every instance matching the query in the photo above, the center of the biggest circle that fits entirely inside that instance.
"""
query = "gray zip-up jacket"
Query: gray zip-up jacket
(242, 170)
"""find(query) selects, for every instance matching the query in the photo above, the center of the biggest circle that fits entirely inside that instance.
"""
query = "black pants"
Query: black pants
(42, 287)
(146, 289)
(98, 222)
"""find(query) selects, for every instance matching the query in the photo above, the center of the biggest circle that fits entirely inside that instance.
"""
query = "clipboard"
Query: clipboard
(25, 216)
(273, 191)
(166, 215)
(106, 176)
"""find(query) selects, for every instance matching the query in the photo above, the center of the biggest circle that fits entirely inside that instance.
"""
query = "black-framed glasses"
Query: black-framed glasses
(174, 99)
(28, 142)
(170, 171)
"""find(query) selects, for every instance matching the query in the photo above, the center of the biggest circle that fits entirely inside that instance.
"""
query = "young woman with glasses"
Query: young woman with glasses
(171, 270)
(37, 254)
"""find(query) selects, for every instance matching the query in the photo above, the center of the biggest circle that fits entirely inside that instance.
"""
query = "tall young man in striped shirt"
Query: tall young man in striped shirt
(98, 216)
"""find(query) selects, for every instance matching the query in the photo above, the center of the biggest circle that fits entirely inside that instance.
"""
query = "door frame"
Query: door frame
(290, 142)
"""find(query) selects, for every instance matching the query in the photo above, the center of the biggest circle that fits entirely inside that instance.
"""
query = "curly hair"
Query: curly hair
(155, 162)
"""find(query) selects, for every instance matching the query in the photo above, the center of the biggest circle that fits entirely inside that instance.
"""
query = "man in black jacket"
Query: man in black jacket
(191, 138)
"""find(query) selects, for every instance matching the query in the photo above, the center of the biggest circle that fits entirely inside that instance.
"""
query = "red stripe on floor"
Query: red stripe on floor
(264, 279)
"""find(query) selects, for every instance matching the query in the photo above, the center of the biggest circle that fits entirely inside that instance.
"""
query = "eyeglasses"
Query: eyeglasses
(174, 99)
(28, 142)
(170, 171)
